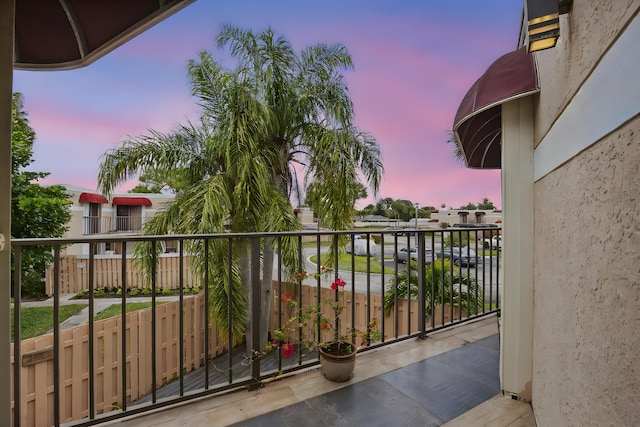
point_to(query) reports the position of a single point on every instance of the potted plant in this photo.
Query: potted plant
(337, 351)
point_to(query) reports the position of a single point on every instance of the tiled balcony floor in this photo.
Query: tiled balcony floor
(450, 378)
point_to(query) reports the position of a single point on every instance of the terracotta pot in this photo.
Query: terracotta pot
(335, 364)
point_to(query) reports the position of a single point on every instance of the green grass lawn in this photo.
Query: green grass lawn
(116, 309)
(344, 263)
(36, 321)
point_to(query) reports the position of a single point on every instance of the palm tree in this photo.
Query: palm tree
(458, 153)
(443, 285)
(275, 110)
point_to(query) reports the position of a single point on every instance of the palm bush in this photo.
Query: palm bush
(444, 284)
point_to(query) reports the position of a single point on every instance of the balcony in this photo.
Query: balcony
(85, 368)
(102, 225)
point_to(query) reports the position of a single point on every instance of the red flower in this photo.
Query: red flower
(287, 350)
(287, 297)
(338, 282)
(325, 326)
(300, 276)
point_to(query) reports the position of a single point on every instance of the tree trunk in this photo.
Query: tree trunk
(245, 271)
(267, 295)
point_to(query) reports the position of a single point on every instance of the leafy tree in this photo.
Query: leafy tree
(158, 181)
(486, 204)
(275, 113)
(425, 211)
(469, 207)
(146, 188)
(36, 211)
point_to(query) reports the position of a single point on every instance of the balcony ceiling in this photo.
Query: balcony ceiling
(66, 34)
(478, 122)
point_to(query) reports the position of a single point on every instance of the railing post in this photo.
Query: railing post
(422, 316)
(7, 12)
(255, 299)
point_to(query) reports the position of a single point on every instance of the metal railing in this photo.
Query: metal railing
(455, 292)
(96, 224)
(101, 225)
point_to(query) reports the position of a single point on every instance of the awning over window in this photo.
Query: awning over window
(131, 201)
(93, 198)
(478, 123)
(54, 34)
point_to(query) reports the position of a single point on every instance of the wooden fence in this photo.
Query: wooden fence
(37, 394)
(74, 273)
(37, 361)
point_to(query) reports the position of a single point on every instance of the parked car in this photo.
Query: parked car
(405, 254)
(494, 243)
(459, 256)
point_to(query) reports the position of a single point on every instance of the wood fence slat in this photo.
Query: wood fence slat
(37, 379)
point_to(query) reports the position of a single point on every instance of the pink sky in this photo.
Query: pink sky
(414, 61)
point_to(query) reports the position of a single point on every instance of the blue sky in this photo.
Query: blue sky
(414, 61)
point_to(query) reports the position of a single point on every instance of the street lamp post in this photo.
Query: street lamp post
(416, 205)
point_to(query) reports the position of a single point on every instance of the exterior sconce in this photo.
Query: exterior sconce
(544, 24)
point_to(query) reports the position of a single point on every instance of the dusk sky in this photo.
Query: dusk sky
(414, 60)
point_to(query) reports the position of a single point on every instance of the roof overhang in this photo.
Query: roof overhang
(93, 198)
(131, 201)
(478, 123)
(66, 34)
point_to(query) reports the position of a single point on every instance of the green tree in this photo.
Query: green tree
(486, 204)
(469, 207)
(274, 113)
(36, 210)
(158, 181)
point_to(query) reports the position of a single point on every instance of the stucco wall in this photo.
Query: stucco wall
(586, 364)
(586, 33)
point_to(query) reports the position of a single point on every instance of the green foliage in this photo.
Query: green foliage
(35, 321)
(116, 309)
(444, 284)
(486, 204)
(344, 263)
(36, 211)
(469, 207)
(457, 239)
(271, 114)
(403, 210)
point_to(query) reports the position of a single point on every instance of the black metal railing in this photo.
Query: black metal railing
(455, 291)
(101, 225)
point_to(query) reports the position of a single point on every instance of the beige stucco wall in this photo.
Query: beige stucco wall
(586, 33)
(586, 365)
(586, 334)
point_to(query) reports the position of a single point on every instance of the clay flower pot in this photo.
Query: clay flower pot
(337, 360)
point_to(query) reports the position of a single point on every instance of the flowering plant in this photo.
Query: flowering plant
(329, 327)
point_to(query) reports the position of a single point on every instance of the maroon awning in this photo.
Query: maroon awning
(93, 198)
(131, 201)
(54, 34)
(478, 123)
